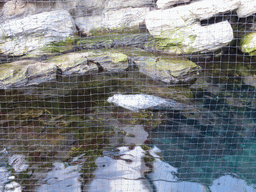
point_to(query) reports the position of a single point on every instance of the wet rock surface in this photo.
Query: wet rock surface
(58, 130)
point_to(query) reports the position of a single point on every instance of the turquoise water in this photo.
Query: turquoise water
(218, 140)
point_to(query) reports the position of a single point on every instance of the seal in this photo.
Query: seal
(137, 102)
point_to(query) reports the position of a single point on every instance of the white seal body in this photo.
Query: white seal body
(142, 101)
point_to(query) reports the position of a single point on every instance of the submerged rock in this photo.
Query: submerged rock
(62, 178)
(13, 187)
(164, 177)
(18, 163)
(139, 102)
(169, 70)
(248, 44)
(162, 4)
(228, 183)
(122, 173)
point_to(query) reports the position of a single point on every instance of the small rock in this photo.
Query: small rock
(228, 183)
(250, 80)
(13, 187)
(124, 173)
(4, 177)
(18, 163)
(248, 43)
(62, 178)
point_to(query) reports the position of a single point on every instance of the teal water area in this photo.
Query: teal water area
(218, 140)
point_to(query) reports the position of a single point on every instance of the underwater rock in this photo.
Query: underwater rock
(12, 9)
(185, 39)
(123, 173)
(164, 177)
(139, 102)
(4, 174)
(119, 4)
(62, 178)
(13, 187)
(247, 8)
(162, 4)
(18, 163)
(228, 183)
(248, 44)
(169, 70)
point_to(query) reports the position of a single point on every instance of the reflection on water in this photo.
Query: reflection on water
(59, 122)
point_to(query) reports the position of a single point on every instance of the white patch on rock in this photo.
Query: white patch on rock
(20, 36)
(119, 4)
(122, 174)
(13, 187)
(162, 4)
(4, 177)
(181, 16)
(228, 183)
(164, 177)
(209, 38)
(247, 8)
(86, 24)
(62, 178)
(18, 163)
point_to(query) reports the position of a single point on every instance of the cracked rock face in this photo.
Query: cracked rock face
(22, 36)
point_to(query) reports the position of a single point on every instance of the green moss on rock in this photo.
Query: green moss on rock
(248, 44)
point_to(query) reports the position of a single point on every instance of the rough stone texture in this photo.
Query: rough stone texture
(208, 8)
(4, 174)
(18, 163)
(193, 38)
(113, 20)
(247, 8)
(162, 4)
(62, 178)
(14, 8)
(181, 16)
(21, 8)
(228, 183)
(248, 44)
(123, 173)
(250, 80)
(168, 70)
(89, 8)
(118, 4)
(164, 177)
(20, 36)
(127, 17)
(28, 72)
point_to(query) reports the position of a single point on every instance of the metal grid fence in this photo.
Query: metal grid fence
(127, 96)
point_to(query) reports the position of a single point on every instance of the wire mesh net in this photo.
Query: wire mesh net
(145, 95)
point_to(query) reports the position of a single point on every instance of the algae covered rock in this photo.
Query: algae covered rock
(248, 43)
(192, 38)
(168, 69)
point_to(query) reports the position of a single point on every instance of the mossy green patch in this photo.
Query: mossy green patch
(61, 46)
(248, 44)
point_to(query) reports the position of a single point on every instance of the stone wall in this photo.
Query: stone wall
(176, 25)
